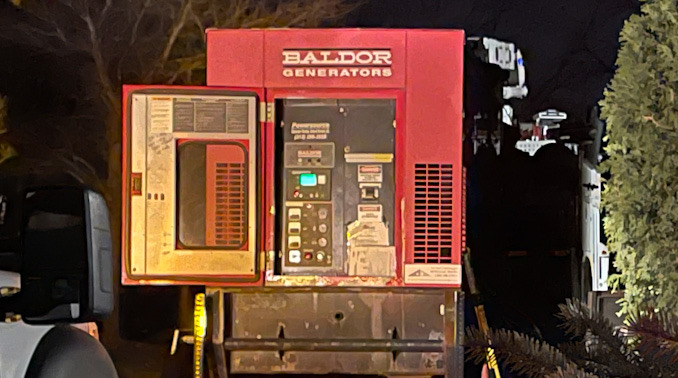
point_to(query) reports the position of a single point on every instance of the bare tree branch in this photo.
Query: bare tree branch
(200, 25)
(174, 33)
(214, 12)
(59, 32)
(135, 27)
(108, 91)
(102, 17)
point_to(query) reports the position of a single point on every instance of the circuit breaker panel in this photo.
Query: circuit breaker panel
(336, 187)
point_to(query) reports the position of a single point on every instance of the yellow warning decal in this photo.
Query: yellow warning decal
(199, 331)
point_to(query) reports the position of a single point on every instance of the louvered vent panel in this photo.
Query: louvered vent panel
(463, 213)
(433, 213)
(227, 200)
(230, 207)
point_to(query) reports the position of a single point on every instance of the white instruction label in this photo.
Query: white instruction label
(371, 261)
(367, 234)
(370, 173)
(161, 115)
(435, 274)
(370, 213)
(310, 131)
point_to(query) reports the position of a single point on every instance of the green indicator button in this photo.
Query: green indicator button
(308, 179)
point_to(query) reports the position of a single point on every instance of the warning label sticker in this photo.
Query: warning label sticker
(310, 131)
(370, 173)
(442, 274)
(370, 213)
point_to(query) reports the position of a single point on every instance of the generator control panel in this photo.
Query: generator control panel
(336, 186)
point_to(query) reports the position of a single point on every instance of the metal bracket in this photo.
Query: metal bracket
(337, 345)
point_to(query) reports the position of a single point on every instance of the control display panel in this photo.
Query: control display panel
(336, 187)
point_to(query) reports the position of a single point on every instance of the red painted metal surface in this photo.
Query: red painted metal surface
(235, 58)
(422, 69)
(434, 119)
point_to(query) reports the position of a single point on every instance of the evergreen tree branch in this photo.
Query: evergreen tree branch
(578, 319)
(579, 353)
(657, 340)
(570, 372)
(611, 349)
(522, 354)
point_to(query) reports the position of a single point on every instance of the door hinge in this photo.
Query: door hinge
(266, 111)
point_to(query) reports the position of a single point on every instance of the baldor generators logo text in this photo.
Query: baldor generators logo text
(337, 63)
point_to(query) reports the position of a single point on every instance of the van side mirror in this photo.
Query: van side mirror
(66, 262)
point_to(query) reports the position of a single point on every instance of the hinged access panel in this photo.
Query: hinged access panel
(191, 186)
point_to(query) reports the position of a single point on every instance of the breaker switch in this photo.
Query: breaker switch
(294, 242)
(294, 228)
(295, 214)
(370, 193)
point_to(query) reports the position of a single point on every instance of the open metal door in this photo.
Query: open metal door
(190, 186)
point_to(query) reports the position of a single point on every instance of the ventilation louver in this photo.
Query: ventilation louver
(433, 214)
(463, 212)
(227, 201)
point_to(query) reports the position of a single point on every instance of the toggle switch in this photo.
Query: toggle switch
(295, 214)
(370, 193)
(294, 242)
(294, 228)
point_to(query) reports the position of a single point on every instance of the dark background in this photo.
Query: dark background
(569, 49)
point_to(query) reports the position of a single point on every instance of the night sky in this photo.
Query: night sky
(569, 47)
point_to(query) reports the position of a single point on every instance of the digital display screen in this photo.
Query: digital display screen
(308, 179)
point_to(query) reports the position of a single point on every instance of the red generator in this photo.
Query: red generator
(315, 188)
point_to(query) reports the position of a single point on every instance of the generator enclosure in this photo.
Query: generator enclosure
(315, 157)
